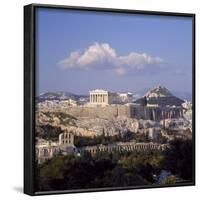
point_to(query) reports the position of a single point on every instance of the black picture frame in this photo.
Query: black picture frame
(29, 93)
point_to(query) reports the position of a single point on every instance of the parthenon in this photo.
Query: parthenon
(99, 97)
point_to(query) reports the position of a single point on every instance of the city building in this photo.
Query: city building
(154, 132)
(125, 97)
(48, 149)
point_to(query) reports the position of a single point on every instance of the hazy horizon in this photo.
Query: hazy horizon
(182, 95)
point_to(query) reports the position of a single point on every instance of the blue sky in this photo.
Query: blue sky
(80, 50)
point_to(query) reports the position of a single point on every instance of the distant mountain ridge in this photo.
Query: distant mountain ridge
(59, 96)
(161, 96)
(184, 95)
(158, 95)
(159, 91)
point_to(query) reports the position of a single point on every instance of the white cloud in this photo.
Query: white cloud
(103, 57)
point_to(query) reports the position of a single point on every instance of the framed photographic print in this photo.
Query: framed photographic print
(109, 99)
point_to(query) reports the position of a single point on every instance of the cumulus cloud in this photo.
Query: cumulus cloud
(104, 57)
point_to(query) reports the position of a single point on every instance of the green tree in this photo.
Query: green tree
(178, 158)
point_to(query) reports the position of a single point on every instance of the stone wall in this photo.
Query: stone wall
(124, 147)
(132, 111)
(155, 113)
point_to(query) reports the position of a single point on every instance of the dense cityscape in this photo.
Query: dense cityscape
(111, 139)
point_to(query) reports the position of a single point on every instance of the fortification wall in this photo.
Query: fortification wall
(155, 113)
(99, 112)
(132, 111)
